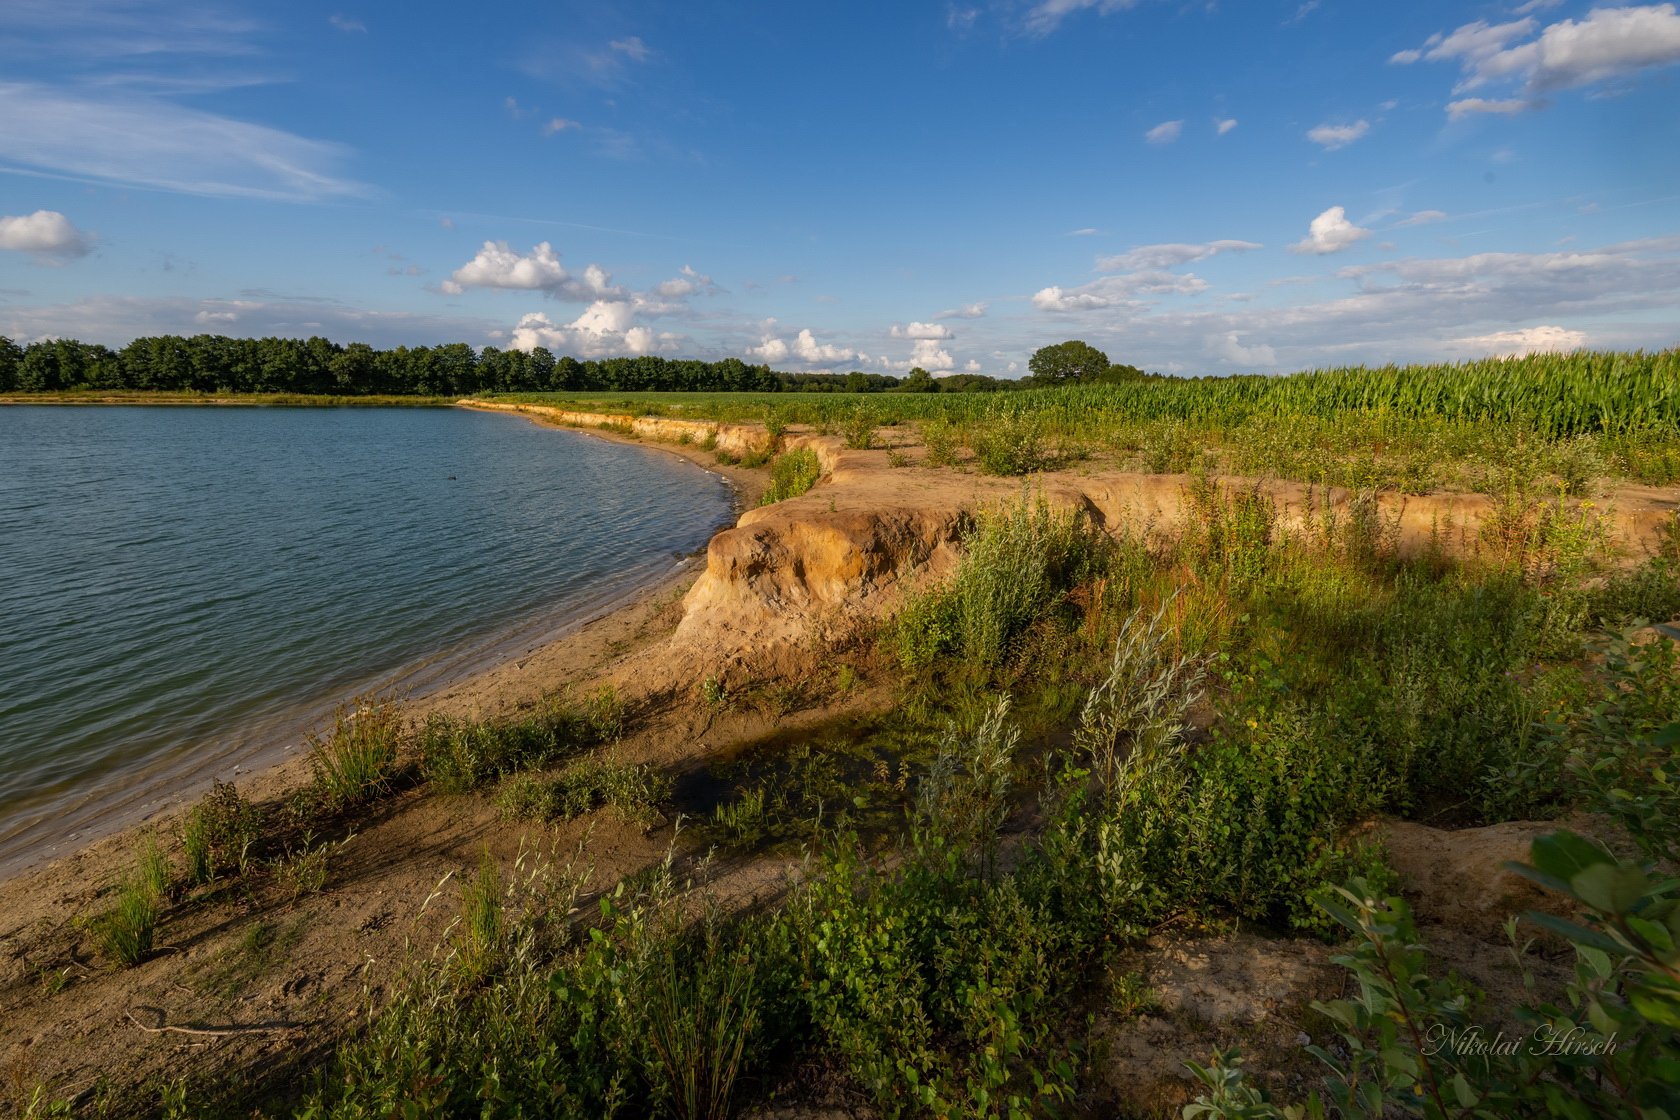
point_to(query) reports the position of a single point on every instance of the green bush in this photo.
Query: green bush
(1013, 445)
(221, 833)
(358, 758)
(1019, 561)
(461, 755)
(791, 475)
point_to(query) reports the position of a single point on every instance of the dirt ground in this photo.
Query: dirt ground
(253, 982)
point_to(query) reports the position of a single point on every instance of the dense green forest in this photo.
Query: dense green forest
(216, 364)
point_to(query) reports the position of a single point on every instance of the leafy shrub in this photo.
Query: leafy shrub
(1013, 445)
(857, 428)
(1018, 562)
(940, 439)
(791, 475)
(220, 833)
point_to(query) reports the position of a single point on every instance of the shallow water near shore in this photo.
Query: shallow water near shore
(183, 589)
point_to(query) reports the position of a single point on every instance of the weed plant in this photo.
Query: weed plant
(127, 930)
(358, 758)
(460, 755)
(791, 475)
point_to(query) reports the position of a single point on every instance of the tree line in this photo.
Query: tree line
(318, 366)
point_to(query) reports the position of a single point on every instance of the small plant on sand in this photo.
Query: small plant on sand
(357, 760)
(633, 791)
(713, 693)
(857, 428)
(1014, 445)
(482, 921)
(941, 439)
(305, 870)
(792, 474)
(127, 929)
(220, 834)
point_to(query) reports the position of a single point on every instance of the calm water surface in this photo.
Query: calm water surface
(182, 588)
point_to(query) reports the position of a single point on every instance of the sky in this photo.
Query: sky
(1195, 188)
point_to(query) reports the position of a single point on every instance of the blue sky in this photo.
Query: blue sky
(1251, 185)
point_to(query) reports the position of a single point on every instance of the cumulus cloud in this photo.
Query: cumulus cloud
(803, 347)
(46, 235)
(1226, 125)
(1611, 42)
(605, 329)
(147, 142)
(1515, 344)
(966, 311)
(559, 124)
(1165, 132)
(1228, 347)
(1171, 255)
(686, 283)
(631, 47)
(1330, 232)
(1334, 136)
(932, 357)
(920, 331)
(540, 270)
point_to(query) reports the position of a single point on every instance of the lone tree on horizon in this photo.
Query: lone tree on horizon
(1067, 363)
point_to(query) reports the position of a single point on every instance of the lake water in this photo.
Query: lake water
(181, 589)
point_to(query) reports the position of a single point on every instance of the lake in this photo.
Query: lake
(183, 588)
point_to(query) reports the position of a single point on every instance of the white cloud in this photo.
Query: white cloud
(802, 347)
(1145, 257)
(1334, 136)
(559, 124)
(932, 357)
(971, 366)
(1165, 132)
(46, 235)
(1611, 42)
(966, 311)
(605, 329)
(1117, 291)
(1514, 344)
(347, 24)
(632, 47)
(147, 142)
(920, 331)
(1228, 347)
(1470, 106)
(686, 283)
(1045, 16)
(1422, 218)
(1088, 231)
(1330, 232)
(1415, 309)
(1226, 125)
(540, 270)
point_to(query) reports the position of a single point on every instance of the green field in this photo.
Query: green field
(1554, 421)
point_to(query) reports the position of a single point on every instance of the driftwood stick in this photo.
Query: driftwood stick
(211, 1032)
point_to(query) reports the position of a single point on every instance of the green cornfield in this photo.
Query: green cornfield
(1551, 395)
